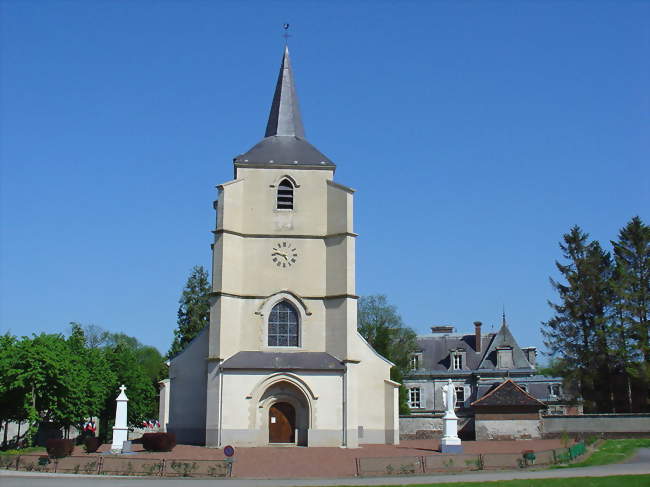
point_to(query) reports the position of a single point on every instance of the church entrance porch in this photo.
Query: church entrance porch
(287, 412)
(282, 423)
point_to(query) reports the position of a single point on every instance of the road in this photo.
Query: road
(639, 464)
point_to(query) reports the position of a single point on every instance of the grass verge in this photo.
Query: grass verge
(612, 451)
(618, 481)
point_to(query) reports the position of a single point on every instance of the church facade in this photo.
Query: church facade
(281, 361)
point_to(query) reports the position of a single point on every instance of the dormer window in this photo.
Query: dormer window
(458, 361)
(554, 390)
(504, 358)
(285, 195)
(416, 361)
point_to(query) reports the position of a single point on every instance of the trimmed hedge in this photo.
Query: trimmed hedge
(59, 448)
(92, 443)
(158, 441)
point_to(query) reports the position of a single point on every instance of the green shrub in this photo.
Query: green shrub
(158, 441)
(59, 448)
(92, 444)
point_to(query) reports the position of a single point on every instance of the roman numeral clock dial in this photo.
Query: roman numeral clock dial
(284, 255)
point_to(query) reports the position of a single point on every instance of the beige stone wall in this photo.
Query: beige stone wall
(320, 285)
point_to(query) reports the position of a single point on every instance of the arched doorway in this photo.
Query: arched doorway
(282, 423)
(286, 413)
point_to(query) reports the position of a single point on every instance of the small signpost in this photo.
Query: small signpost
(229, 451)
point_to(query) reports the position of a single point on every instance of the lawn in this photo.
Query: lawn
(618, 481)
(612, 451)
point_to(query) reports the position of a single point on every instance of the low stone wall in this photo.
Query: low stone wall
(117, 465)
(410, 465)
(606, 425)
(420, 427)
(507, 429)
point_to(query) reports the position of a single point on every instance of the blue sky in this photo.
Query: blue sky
(475, 134)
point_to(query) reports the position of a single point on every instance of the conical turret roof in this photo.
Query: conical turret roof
(284, 142)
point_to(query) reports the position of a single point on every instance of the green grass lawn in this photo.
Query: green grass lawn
(618, 481)
(612, 451)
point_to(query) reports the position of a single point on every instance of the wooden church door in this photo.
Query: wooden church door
(282, 423)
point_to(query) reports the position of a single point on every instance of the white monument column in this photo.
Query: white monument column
(120, 431)
(450, 442)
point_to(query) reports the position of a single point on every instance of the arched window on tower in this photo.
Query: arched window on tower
(283, 326)
(285, 195)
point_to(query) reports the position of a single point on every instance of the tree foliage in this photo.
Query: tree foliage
(382, 327)
(194, 310)
(65, 381)
(599, 330)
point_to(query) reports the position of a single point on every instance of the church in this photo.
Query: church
(281, 362)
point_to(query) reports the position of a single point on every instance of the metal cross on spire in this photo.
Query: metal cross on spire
(286, 34)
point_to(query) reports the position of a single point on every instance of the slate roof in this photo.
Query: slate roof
(504, 338)
(284, 140)
(435, 350)
(508, 394)
(283, 361)
(436, 358)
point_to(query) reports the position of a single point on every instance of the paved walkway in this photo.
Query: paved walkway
(314, 462)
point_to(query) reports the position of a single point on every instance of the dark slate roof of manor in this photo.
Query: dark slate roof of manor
(284, 141)
(436, 347)
(508, 394)
(283, 361)
(435, 350)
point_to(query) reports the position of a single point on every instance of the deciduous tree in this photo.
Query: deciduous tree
(382, 327)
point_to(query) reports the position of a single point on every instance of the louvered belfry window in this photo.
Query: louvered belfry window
(283, 326)
(285, 195)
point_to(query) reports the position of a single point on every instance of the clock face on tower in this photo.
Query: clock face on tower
(284, 254)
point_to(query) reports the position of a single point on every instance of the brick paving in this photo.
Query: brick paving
(296, 462)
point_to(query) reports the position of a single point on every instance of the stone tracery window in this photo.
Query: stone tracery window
(283, 326)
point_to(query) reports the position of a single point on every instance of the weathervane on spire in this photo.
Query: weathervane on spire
(286, 34)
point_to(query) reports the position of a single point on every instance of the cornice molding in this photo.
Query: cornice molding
(268, 235)
(217, 294)
(273, 165)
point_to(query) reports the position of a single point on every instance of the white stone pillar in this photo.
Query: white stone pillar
(120, 430)
(163, 404)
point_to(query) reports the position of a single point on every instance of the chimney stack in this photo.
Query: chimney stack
(442, 329)
(531, 355)
(477, 336)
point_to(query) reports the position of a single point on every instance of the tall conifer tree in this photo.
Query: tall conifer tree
(579, 331)
(631, 285)
(194, 310)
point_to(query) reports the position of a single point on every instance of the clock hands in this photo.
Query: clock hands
(283, 254)
(285, 251)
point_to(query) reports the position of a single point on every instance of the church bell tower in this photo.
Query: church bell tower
(283, 362)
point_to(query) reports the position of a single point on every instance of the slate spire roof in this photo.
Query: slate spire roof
(284, 142)
(285, 118)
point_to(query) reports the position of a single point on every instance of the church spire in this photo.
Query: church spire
(285, 118)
